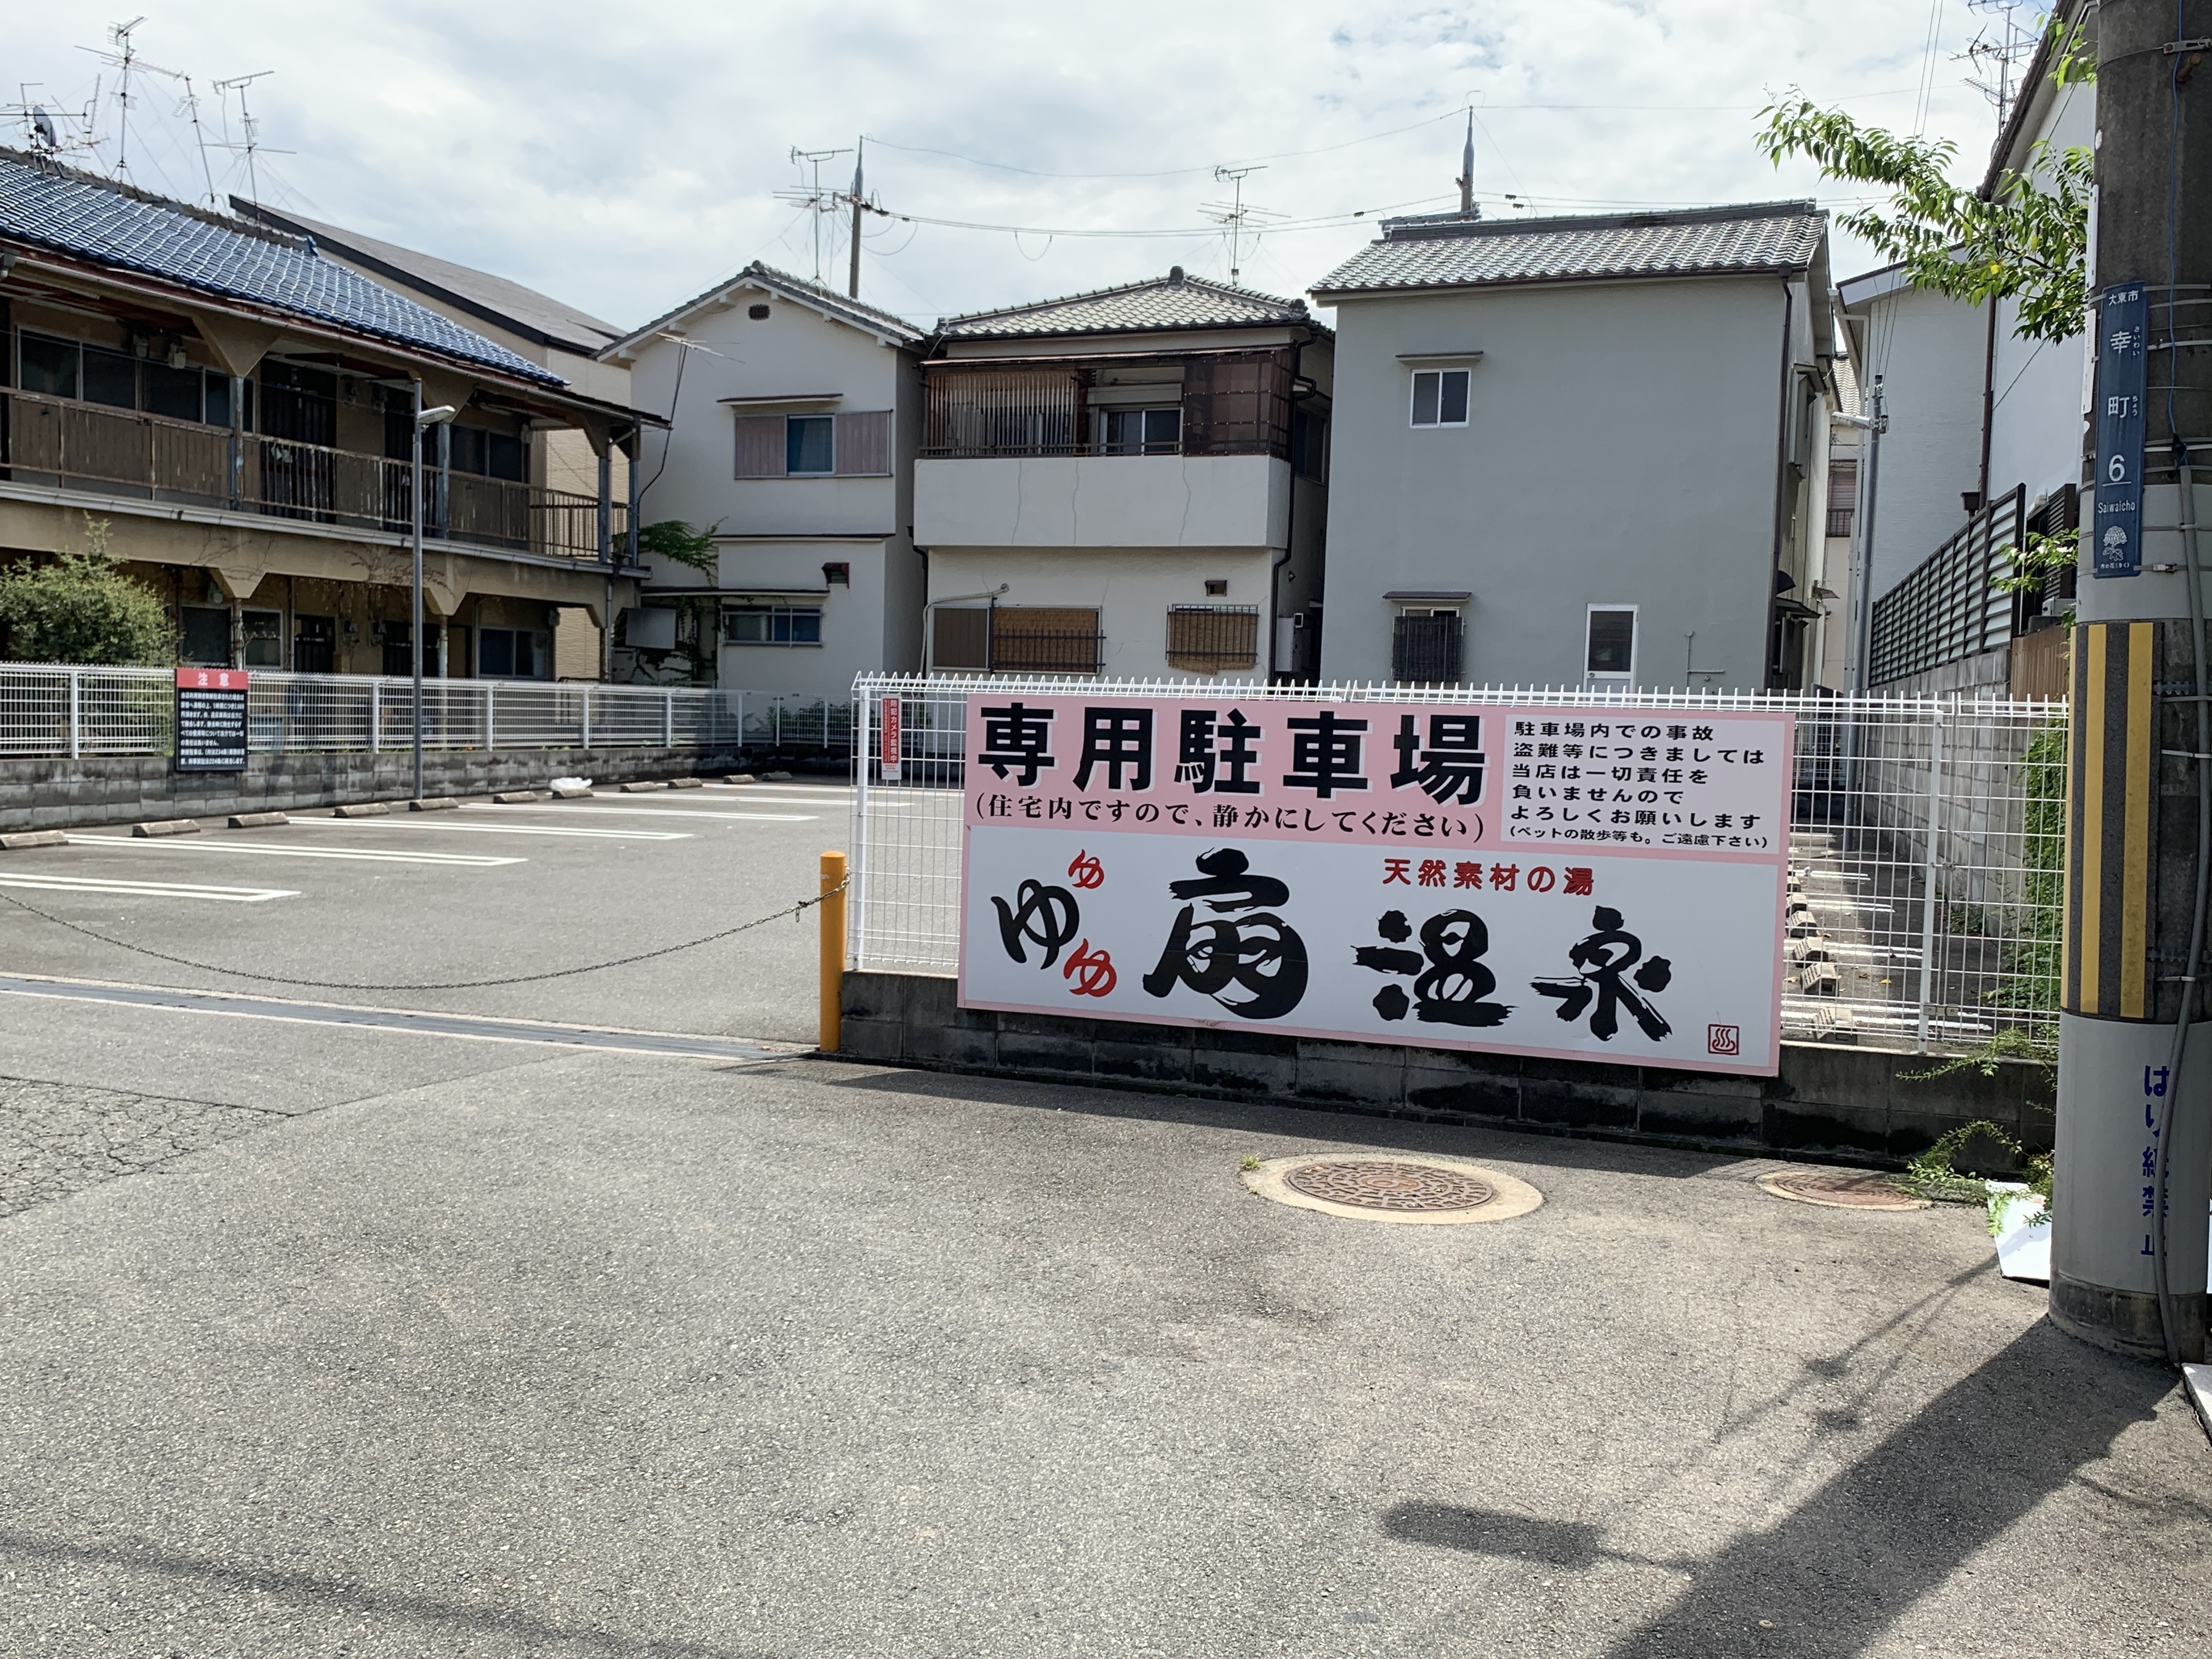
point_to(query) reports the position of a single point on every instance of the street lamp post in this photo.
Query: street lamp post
(424, 419)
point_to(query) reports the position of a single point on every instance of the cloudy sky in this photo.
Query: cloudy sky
(623, 158)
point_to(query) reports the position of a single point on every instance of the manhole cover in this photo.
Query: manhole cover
(1387, 1187)
(1401, 1187)
(1842, 1189)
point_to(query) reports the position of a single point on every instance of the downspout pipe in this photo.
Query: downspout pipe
(1290, 529)
(1783, 397)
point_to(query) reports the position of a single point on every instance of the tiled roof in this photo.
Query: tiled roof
(44, 206)
(1165, 302)
(1444, 251)
(871, 318)
(494, 298)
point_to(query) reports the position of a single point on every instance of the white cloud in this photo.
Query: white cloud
(623, 159)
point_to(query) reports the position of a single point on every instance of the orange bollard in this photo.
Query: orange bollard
(833, 951)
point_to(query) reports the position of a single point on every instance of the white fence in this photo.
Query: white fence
(1927, 841)
(48, 710)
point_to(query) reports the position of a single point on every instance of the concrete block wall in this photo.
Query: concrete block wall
(1859, 1103)
(59, 793)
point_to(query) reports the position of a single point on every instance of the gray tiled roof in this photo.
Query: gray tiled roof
(494, 298)
(872, 318)
(1165, 302)
(1443, 251)
(43, 206)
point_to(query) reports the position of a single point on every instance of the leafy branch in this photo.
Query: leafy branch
(675, 540)
(2025, 240)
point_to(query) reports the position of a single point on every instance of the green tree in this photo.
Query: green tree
(672, 538)
(81, 608)
(2028, 239)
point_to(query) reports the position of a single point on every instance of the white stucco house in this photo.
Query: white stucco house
(1126, 482)
(794, 412)
(1585, 450)
(1984, 436)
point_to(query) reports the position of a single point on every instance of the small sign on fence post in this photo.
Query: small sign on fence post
(888, 710)
(1600, 882)
(212, 720)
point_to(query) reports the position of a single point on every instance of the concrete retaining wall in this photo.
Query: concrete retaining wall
(1861, 1103)
(59, 793)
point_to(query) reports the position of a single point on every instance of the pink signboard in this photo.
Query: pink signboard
(1594, 882)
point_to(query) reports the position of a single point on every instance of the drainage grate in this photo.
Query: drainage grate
(1844, 1189)
(1371, 1184)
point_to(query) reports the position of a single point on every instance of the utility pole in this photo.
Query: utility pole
(1467, 172)
(860, 199)
(2134, 1055)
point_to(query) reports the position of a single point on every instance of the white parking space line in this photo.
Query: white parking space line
(490, 828)
(278, 849)
(649, 812)
(146, 889)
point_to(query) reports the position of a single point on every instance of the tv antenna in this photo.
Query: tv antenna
(50, 131)
(252, 147)
(813, 197)
(1234, 215)
(124, 56)
(1996, 53)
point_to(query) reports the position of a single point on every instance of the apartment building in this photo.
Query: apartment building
(233, 409)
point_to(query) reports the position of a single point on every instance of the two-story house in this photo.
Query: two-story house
(1585, 450)
(234, 410)
(1129, 482)
(794, 415)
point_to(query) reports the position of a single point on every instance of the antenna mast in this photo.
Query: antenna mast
(1233, 215)
(813, 197)
(245, 119)
(118, 35)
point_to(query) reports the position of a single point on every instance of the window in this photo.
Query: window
(264, 639)
(1143, 431)
(1043, 639)
(1213, 639)
(1611, 655)
(49, 366)
(110, 378)
(809, 445)
(206, 631)
(518, 653)
(1308, 445)
(960, 637)
(772, 625)
(486, 454)
(1440, 397)
(175, 392)
(1425, 647)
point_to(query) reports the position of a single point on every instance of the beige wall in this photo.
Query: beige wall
(1103, 500)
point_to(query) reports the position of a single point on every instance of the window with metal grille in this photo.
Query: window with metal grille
(1425, 649)
(1213, 639)
(1843, 497)
(1043, 639)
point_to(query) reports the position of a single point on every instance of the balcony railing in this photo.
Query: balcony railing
(61, 443)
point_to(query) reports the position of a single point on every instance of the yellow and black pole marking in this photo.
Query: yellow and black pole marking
(2111, 811)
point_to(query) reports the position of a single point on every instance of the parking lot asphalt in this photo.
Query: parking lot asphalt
(419, 899)
(484, 1348)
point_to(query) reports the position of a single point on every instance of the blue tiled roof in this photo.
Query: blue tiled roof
(91, 221)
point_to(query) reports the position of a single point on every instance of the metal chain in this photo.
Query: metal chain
(794, 912)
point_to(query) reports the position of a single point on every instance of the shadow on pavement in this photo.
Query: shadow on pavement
(357, 1599)
(1851, 1559)
(1300, 1120)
